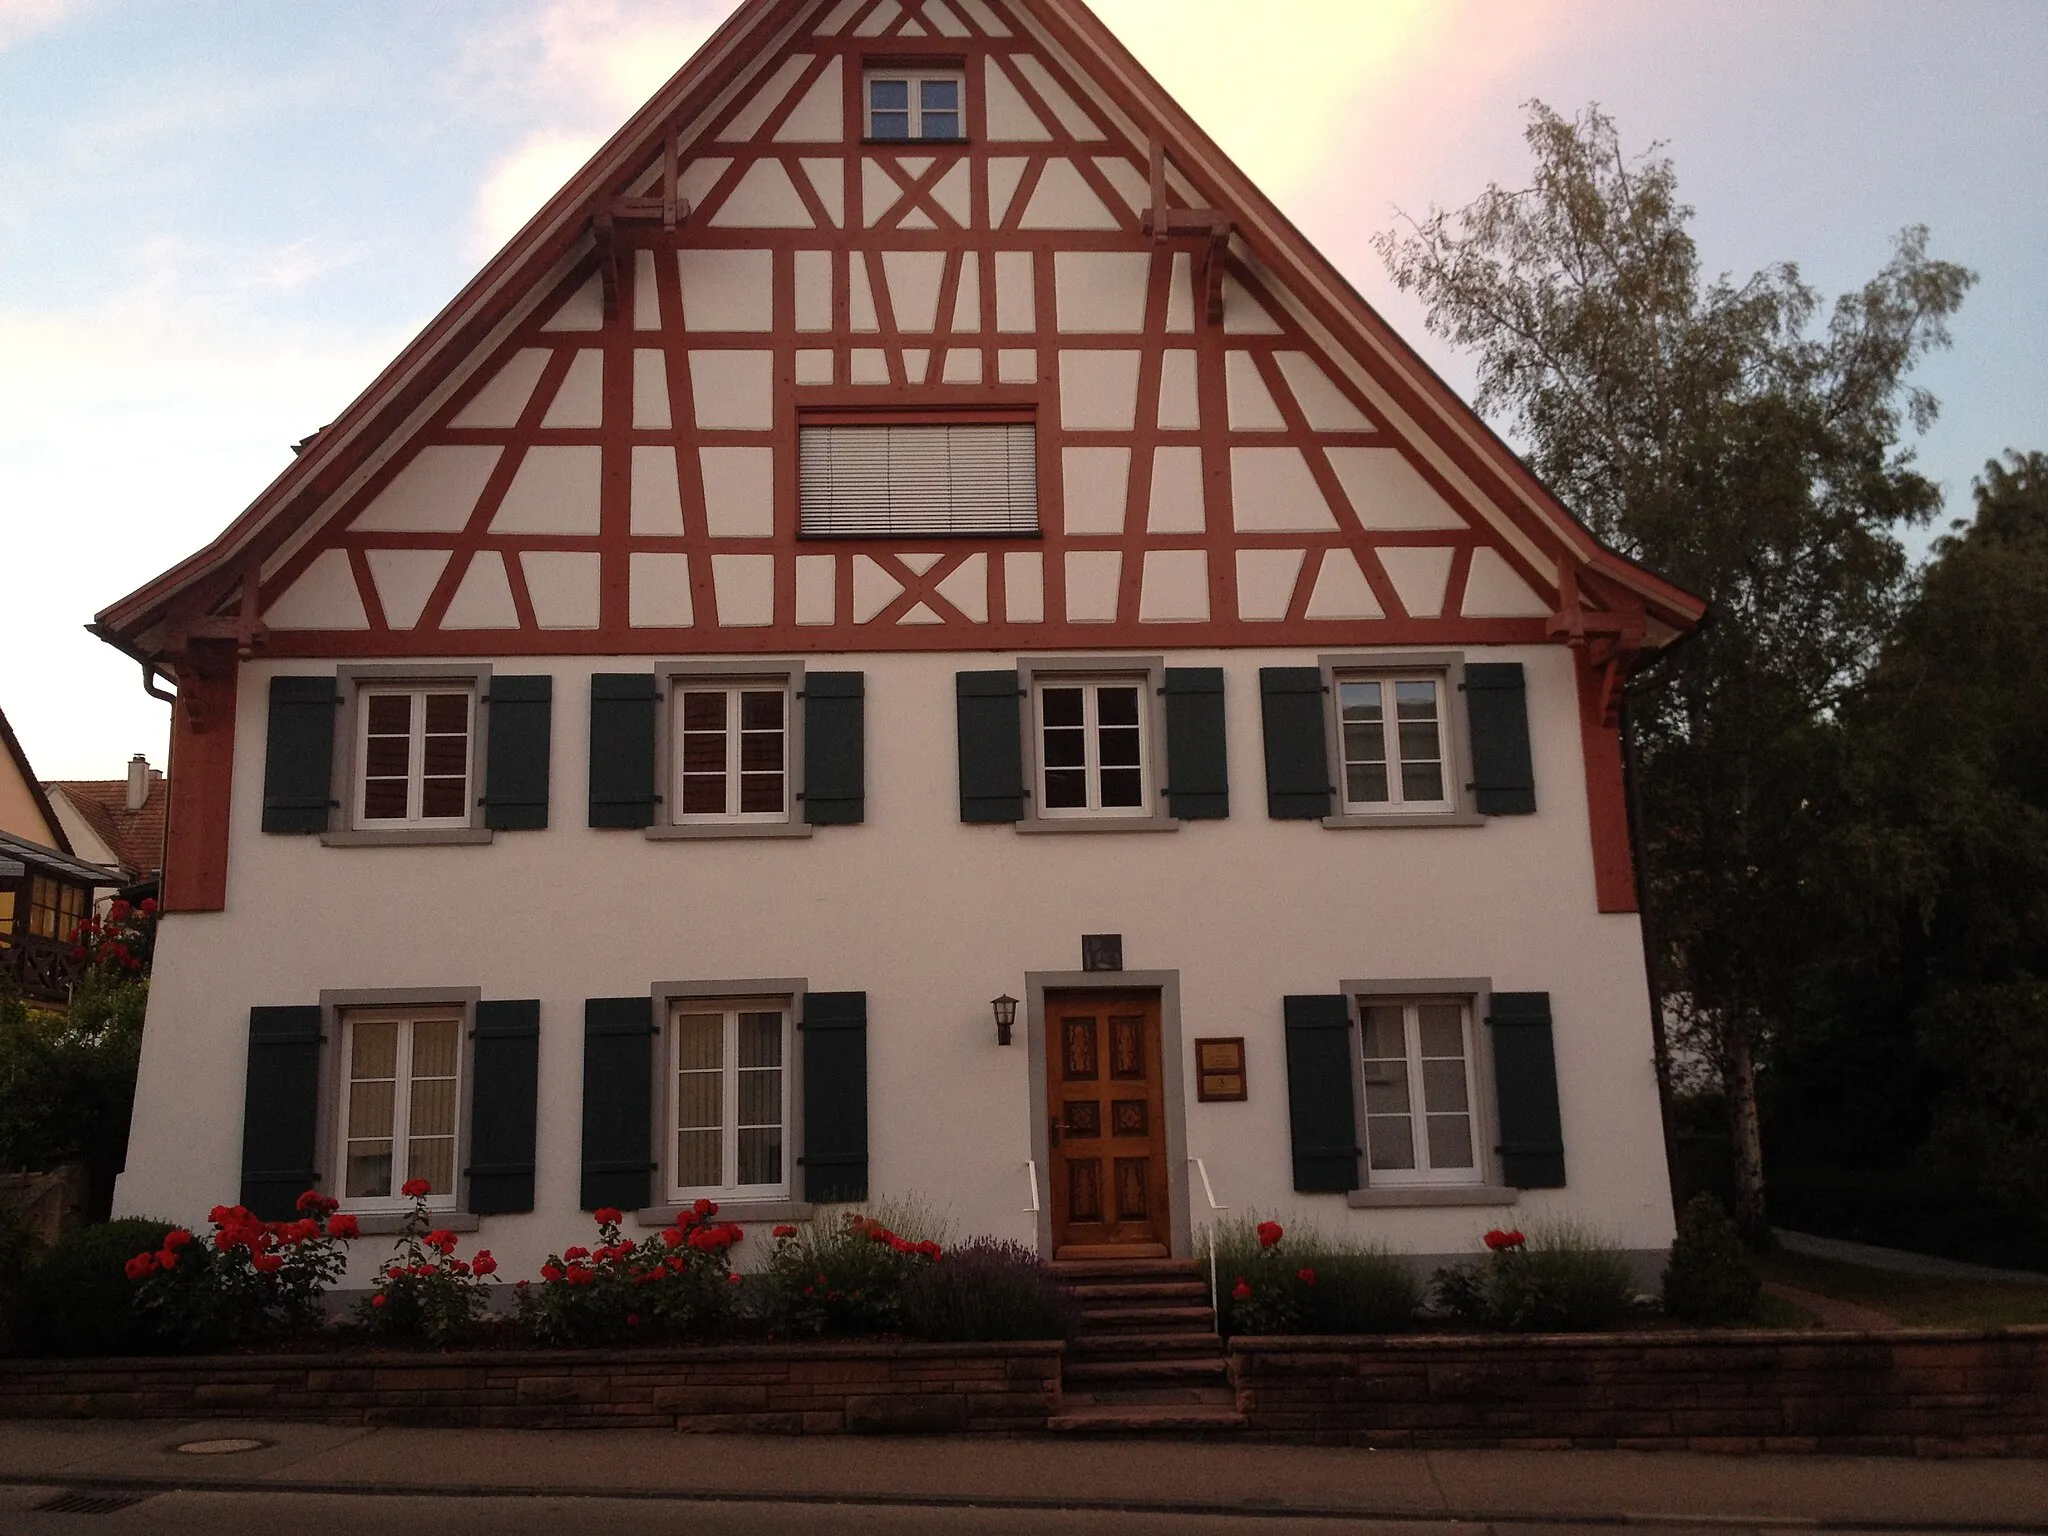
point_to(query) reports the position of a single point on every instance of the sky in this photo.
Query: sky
(219, 220)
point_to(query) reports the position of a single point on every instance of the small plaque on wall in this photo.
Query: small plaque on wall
(1219, 1070)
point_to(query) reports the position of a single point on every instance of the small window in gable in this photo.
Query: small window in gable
(916, 104)
(414, 755)
(922, 480)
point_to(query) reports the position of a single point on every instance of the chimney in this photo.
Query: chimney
(138, 782)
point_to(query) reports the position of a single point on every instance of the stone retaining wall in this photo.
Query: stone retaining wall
(865, 1388)
(1921, 1392)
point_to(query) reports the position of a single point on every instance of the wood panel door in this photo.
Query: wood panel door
(1106, 1133)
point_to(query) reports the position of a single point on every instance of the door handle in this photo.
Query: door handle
(1052, 1129)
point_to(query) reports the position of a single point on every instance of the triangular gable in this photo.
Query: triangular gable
(1233, 449)
(24, 809)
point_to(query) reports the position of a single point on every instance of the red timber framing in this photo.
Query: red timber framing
(594, 448)
(201, 774)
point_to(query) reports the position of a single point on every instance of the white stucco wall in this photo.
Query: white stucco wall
(931, 918)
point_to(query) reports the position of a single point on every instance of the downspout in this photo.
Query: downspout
(1632, 795)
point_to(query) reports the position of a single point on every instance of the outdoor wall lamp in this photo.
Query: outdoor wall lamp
(1006, 1015)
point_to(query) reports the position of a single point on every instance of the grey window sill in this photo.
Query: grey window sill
(710, 830)
(730, 1210)
(401, 837)
(1431, 1194)
(1397, 819)
(390, 1223)
(1098, 824)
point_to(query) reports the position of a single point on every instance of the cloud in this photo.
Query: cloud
(517, 185)
(21, 20)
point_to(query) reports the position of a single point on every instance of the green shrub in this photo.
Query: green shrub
(250, 1281)
(847, 1276)
(1564, 1279)
(987, 1290)
(18, 1253)
(1303, 1282)
(1711, 1277)
(78, 1300)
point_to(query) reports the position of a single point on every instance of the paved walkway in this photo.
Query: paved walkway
(1032, 1479)
(1898, 1260)
(1832, 1313)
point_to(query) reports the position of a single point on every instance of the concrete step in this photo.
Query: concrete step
(1097, 1345)
(1142, 1419)
(1201, 1368)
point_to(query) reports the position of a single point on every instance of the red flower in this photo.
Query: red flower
(673, 1236)
(581, 1274)
(149, 906)
(575, 1253)
(1305, 1276)
(785, 1231)
(177, 1238)
(167, 1259)
(218, 1215)
(142, 1266)
(343, 1226)
(412, 1189)
(1269, 1233)
(1498, 1240)
(118, 912)
(310, 1200)
(443, 1240)
(551, 1272)
(1241, 1291)
(267, 1263)
(732, 1279)
(632, 1319)
(705, 1208)
(376, 1301)
(394, 1273)
(608, 1216)
(483, 1263)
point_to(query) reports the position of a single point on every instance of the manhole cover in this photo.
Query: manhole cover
(219, 1447)
(78, 1502)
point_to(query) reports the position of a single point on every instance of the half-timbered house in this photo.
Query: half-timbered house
(909, 525)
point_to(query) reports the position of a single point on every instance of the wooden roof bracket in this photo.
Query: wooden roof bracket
(1215, 230)
(1608, 641)
(671, 209)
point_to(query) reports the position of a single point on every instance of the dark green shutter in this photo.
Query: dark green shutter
(622, 716)
(1320, 1116)
(1197, 756)
(835, 1155)
(618, 1101)
(991, 746)
(504, 1096)
(1525, 1090)
(516, 771)
(835, 748)
(1297, 743)
(298, 755)
(281, 1110)
(1497, 710)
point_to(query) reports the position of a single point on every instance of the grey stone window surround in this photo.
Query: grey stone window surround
(665, 995)
(1457, 759)
(1051, 669)
(348, 733)
(1475, 992)
(739, 670)
(1173, 1087)
(334, 1003)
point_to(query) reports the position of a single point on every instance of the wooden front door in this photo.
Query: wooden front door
(1107, 1131)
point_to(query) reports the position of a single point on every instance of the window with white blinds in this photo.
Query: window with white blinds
(880, 481)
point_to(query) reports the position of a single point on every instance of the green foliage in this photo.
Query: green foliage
(249, 1282)
(67, 1080)
(1306, 1282)
(19, 1251)
(848, 1276)
(1736, 440)
(987, 1290)
(677, 1284)
(1563, 1278)
(78, 1300)
(1711, 1277)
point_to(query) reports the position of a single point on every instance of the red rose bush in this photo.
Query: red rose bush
(679, 1283)
(249, 1282)
(426, 1292)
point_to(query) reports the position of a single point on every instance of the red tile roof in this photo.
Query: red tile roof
(137, 837)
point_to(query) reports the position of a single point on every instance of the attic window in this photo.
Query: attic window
(869, 480)
(916, 104)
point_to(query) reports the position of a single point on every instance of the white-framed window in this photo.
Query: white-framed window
(1416, 1059)
(415, 755)
(866, 479)
(1094, 748)
(729, 1100)
(730, 750)
(1394, 744)
(916, 104)
(401, 1105)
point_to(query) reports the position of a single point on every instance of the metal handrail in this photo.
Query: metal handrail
(1209, 1193)
(1031, 1172)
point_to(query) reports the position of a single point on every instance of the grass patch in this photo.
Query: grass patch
(1918, 1301)
(1778, 1312)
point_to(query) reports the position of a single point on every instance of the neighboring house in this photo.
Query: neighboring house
(118, 822)
(908, 525)
(46, 888)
